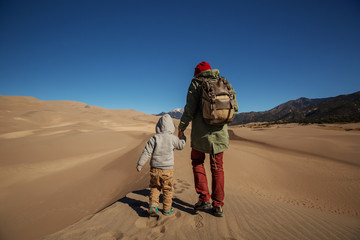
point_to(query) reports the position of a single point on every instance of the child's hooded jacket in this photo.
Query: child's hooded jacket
(161, 146)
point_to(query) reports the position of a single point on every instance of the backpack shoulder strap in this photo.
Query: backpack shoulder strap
(199, 79)
(228, 85)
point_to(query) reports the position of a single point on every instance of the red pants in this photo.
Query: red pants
(217, 172)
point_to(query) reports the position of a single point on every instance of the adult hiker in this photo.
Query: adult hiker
(206, 139)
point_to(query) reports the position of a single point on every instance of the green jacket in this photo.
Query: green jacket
(204, 137)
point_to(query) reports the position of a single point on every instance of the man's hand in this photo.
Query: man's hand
(180, 134)
(139, 170)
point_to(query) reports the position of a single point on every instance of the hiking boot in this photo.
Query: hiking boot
(168, 212)
(153, 211)
(200, 205)
(217, 211)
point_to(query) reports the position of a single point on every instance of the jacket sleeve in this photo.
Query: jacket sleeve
(179, 144)
(146, 154)
(190, 108)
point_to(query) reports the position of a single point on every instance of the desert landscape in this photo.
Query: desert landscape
(67, 171)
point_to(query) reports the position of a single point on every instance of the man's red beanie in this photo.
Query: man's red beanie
(201, 67)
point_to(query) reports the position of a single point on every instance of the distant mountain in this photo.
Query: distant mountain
(343, 108)
(176, 113)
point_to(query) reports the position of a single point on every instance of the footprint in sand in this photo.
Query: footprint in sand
(157, 225)
(112, 235)
(198, 221)
(141, 223)
(153, 222)
(118, 235)
(179, 191)
(158, 229)
(180, 186)
(147, 222)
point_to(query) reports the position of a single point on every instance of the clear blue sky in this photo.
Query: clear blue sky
(141, 54)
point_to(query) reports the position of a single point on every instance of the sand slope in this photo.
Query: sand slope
(267, 197)
(71, 166)
(63, 160)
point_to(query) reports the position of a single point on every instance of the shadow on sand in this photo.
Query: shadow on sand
(141, 207)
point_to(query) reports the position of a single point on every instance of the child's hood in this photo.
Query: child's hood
(165, 125)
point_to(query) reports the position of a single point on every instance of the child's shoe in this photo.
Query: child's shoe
(153, 211)
(168, 212)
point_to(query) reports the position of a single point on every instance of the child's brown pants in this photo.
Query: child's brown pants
(161, 179)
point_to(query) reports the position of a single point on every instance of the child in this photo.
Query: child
(160, 148)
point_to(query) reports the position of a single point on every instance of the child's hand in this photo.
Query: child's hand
(139, 170)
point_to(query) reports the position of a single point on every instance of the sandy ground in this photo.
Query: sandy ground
(67, 171)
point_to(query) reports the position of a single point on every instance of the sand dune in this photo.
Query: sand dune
(67, 171)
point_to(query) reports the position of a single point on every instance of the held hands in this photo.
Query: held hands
(180, 134)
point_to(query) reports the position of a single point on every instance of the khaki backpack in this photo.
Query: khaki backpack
(217, 101)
